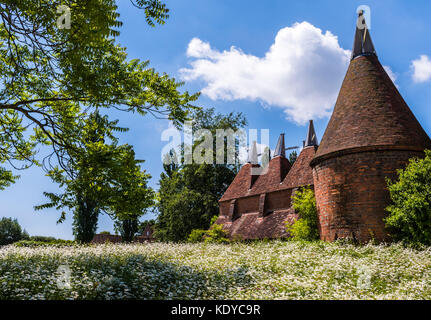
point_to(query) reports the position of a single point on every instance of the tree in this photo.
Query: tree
(306, 227)
(53, 77)
(131, 227)
(127, 228)
(100, 176)
(11, 231)
(409, 218)
(189, 193)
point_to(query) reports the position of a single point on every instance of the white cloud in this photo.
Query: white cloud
(421, 69)
(301, 72)
(391, 75)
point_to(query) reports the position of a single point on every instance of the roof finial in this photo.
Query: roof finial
(252, 154)
(280, 149)
(311, 136)
(363, 45)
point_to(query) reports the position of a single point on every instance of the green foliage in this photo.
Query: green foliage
(189, 193)
(292, 157)
(197, 235)
(182, 211)
(305, 228)
(215, 234)
(105, 232)
(11, 231)
(301, 230)
(42, 239)
(127, 228)
(52, 79)
(99, 176)
(6, 177)
(85, 217)
(155, 10)
(52, 243)
(409, 217)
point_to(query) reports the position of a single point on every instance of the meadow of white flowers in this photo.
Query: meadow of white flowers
(262, 270)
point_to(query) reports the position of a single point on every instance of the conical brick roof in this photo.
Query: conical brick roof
(370, 114)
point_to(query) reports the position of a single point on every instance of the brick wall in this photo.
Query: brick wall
(247, 205)
(278, 200)
(351, 193)
(102, 238)
(258, 217)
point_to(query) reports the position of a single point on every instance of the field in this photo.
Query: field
(261, 270)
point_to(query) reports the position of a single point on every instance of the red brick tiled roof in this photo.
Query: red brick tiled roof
(240, 185)
(280, 176)
(301, 173)
(278, 168)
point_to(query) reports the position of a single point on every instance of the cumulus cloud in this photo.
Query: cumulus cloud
(301, 72)
(421, 69)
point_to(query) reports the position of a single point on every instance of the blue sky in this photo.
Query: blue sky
(261, 76)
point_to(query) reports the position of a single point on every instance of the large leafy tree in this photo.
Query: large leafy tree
(99, 176)
(189, 193)
(53, 78)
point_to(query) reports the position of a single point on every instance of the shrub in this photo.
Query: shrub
(409, 217)
(105, 232)
(11, 231)
(197, 235)
(53, 243)
(42, 238)
(237, 238)
(305, 228)
(215, 234)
